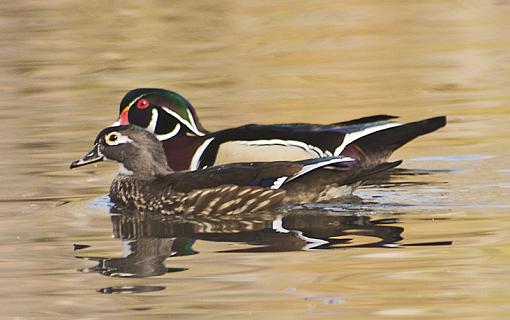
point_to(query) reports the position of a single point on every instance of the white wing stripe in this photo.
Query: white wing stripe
(315, 151)
(350, 137)
(311, 167)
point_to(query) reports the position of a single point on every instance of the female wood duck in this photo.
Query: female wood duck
(146, 182)
(188, 146)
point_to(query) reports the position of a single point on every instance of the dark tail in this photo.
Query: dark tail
(378, 146)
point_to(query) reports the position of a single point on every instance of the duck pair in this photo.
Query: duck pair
(158, 131)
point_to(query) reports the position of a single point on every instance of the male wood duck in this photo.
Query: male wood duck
(146, 182)
(188, 146)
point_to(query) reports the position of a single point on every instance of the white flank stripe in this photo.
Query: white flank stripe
(166, 136)
(350, 137)
(313, 150)
(191, 126)
(198, 154)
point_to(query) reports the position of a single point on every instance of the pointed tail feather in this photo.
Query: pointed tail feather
(378, 146)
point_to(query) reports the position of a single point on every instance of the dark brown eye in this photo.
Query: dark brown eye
(142, 104)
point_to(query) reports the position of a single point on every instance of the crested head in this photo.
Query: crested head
(162, 112)
(138, 151)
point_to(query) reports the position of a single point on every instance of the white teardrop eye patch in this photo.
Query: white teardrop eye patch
(115, 138)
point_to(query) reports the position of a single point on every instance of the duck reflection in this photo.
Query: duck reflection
(140, 258)
(148, 240)
(290, 232)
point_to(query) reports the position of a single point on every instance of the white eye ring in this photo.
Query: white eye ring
(112, 138)
(115, 138)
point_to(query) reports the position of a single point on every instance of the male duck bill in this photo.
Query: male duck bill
(146, 182)
(188, 146)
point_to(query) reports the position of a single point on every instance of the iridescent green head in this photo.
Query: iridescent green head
(162, 112)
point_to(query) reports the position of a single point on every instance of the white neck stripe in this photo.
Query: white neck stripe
(193, 124)
(154, 121)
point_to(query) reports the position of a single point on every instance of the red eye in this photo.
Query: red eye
(142, 104)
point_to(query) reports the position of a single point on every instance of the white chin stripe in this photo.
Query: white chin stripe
(166, 136)
(123, 171)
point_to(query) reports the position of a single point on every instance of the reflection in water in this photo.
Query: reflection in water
(141, 258)
(148, 240)
(269, 232)
(387, 181)
(130, 289)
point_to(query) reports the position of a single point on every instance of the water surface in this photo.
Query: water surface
(429, 242)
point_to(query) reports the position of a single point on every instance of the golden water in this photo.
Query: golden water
(65, 65)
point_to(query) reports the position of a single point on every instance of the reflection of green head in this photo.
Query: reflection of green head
(167, 101)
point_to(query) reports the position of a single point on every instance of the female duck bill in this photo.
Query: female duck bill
(92, 156)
